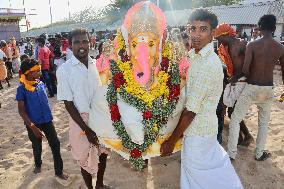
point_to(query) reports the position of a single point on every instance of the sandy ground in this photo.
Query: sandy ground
(16, 158)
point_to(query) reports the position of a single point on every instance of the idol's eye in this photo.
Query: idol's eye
(151, 43)
(134, 44)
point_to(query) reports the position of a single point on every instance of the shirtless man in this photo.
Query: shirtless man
(232, 53)
(258, 68)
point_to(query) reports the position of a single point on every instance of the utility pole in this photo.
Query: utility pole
(69, 10)
(28, 13)
(50, 12)
(25, 15)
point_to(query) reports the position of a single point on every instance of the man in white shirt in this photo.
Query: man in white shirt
(69, 53)
(204, 163)
(77, 81)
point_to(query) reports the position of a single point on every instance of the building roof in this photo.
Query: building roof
(253, 1)
(6, 13)
(239, 14)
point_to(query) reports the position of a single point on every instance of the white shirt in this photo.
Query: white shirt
(204, 87)
(77, 83)
(252, 39)
(2, 55)
(69, 54)
(22, 49)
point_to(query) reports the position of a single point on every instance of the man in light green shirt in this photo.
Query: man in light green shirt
(204, 163)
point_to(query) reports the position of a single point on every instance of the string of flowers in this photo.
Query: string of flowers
(156, 106)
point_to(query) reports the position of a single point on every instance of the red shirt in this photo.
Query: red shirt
(43, 55)
(64, 44)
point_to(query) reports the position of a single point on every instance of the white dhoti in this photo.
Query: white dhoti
(206, 165)
(233, 92)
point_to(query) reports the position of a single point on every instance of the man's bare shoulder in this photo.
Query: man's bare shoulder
(250, 45)
(281, 46)
(277, 46)
(242, 44)
(282, 49)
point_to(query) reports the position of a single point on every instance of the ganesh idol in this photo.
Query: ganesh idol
(142, 94)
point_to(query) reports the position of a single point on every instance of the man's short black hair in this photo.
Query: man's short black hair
(24, 57)
(204, 15)
(3, 43)
(41, 40)
(28, 64)
(267, 23)
(78, 31)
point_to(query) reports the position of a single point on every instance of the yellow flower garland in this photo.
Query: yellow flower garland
(166, 51)
(120, 40)
(133, 88)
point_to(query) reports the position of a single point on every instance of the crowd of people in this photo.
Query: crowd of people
(230, 78)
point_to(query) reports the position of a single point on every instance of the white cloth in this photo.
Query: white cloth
(100, 120)
(204, 87)
(2, 55)
(262, 96)
(130, 117)
(58, 62)
(22, 50)
(252, 39)
(75, 83)
(232, 92)
(16, 64)
(69, 54)
(206, 165)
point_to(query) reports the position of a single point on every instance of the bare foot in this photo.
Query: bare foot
(64, 179)
(37, 170)
(63, 176)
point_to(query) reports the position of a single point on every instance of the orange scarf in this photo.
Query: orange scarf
(225, 57)
(29, 85)
(224, 29)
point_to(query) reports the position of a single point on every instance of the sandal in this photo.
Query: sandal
(264, 156)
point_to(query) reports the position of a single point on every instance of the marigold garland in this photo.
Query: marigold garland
(133, 88)
(156, 105)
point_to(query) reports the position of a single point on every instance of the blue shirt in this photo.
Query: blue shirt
(36, 103)
(36, 52)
